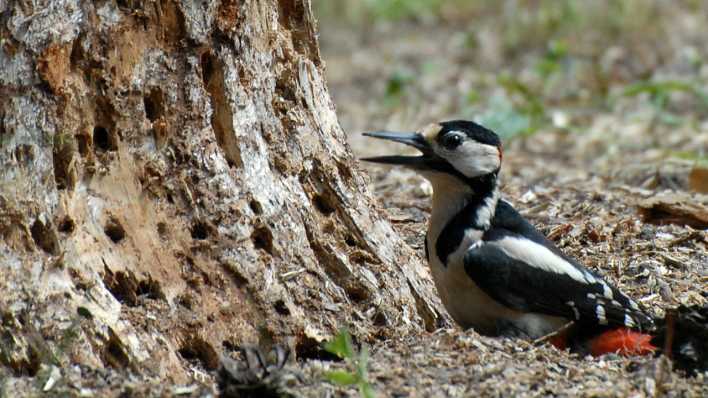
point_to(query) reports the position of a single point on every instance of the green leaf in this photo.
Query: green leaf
(341, 345)
(654, 88)
(366, 391)
(503, 118)
(397, 85)
(363, 363)
(473, 97)
(341, 377)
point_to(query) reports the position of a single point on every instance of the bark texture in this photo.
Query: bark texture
(174, 183)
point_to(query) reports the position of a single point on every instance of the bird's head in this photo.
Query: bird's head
(459, 148)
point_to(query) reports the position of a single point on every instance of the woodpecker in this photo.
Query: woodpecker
(494, 271)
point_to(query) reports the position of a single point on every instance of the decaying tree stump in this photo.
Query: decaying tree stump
(174, 183)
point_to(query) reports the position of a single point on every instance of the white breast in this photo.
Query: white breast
(468, 305)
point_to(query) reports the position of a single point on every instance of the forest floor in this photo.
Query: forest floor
(582, 164)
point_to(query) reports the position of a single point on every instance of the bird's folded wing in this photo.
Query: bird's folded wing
(527, 276)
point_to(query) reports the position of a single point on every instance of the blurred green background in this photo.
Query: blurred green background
(631, 73)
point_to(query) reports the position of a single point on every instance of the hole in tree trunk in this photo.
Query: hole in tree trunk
(207, 62)
(162, 230)
(201, 230)
(197, 350)
(255, 206)
(263, 239)
(102, 140)
(222, 118)
(67, 225)
(281, 308)
(323, 204)
(114, 230)
(114, 353)
(45, 237)
(153, 102)
(84, 142)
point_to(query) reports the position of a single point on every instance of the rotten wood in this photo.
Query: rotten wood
(177, 171)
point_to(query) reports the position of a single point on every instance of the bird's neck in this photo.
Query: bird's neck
(477, 199)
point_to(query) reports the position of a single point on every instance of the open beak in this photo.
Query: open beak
(415, 140)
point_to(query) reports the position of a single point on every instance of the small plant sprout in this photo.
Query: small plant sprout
(342, 347)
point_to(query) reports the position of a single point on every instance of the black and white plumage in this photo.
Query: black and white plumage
(494, 271)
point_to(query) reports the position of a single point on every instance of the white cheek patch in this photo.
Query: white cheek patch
(472, 158)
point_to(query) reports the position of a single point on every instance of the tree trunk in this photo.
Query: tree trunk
(174, 184)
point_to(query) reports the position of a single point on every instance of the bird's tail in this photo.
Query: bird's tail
(682, 336)
(622, 341)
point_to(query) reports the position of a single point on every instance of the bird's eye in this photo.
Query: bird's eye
(451, 141)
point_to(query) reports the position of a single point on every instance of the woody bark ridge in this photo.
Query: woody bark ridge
(175, 183)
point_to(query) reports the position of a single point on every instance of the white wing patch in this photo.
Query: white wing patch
(629, 321)
(600, 312)
(540, 257)
(606, 291)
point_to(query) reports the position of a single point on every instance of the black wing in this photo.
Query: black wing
(517, 266)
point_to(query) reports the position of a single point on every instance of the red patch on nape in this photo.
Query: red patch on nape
(501, 152)
(622, 341)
